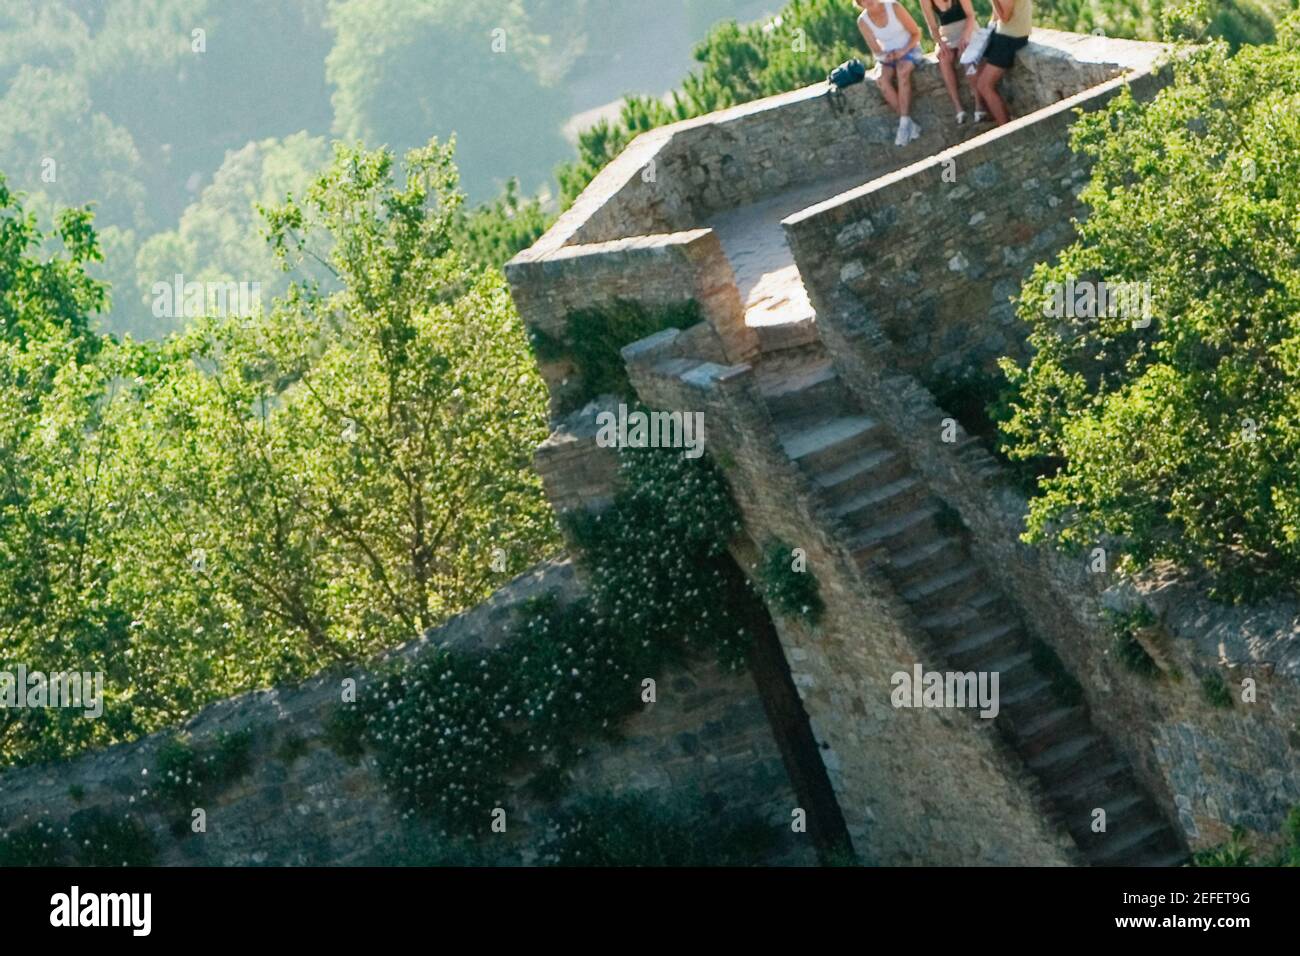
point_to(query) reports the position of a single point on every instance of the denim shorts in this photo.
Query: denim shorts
(914, 56)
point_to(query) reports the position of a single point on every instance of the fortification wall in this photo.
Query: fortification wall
(655, 272)
(639, 232)
(933, 255)
(912, 276)
(706, 737)
(915, 786)
(676, 177)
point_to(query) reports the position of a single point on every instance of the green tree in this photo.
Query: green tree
(55, 386)
(1182, 438)
(221, 237)
(452, 67)
(259, 497)
(349, 469)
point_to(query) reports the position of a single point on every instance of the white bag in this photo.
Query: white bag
(979, 42)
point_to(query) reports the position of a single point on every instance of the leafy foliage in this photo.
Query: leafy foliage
(1235, 21)
(450, 726)
(255, 499)
(185, 775)
(1128, 650)
(592, 340)
(489, 235)
(1215, 690)
(633, 830)
(220, 236)
(1182, 439)
(92, 837)
(792, 591)
(1236, 851)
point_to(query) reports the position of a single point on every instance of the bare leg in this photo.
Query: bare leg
(987, 85)
(886, 83)
(905, 69)
(973, 80)
(948, 70)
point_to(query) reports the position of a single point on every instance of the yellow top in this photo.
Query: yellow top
(1022, 19)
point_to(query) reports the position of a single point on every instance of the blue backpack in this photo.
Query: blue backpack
(847, 74)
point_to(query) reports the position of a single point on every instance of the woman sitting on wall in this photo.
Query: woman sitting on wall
(1014, 21)
(951, 23)
(895, 41)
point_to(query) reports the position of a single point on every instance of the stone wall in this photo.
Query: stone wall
(1211, 769)
(905, 291)
(633, 233)
(657, 271)
(912, 275)
(675, 177)
(745, 154)
(933, 254)
(706, 738)
(915, 786)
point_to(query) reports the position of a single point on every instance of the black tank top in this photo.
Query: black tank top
(953, 14)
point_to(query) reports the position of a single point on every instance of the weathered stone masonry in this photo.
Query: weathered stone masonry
(706, 737)
(835, 275)
(857, 272)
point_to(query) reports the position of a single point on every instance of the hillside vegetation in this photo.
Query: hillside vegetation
(1181, 437)
(259, 497)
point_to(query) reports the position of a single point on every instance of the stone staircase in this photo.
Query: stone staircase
(895, 528)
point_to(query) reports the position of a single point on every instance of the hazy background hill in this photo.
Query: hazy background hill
(176, 118)
(175, 135)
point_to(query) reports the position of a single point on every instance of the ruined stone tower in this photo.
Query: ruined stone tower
(828, 285)
(838, 277)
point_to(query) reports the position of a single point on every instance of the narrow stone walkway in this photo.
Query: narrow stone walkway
(776, 303)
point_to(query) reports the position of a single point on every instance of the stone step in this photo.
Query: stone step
(826, 444)
(1007, 666)
(872, 468)
(790, 361)
(805, 392)
(1118, 789)
(1118, 807)
(1046, 726)
(992, 639)
(916, 524)
(944, 584)
(1067, 729)
(981, 610)
(1123, 844)
(1126, 811)
(1026, 693)
(922, 554)
(1078, 786)
(1063, 756)
(780, 328)
(885, 498)
(914, 564)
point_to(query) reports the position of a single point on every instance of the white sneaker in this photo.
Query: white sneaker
(913, 131)
(904, 132)
(980, 116)
(961, 117)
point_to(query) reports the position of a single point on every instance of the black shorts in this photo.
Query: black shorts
(1001, 50)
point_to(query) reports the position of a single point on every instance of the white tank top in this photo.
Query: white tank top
(893, 35)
